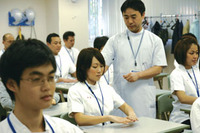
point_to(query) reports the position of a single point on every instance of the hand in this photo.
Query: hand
(132, 76)
(53, 101)
(118, 119)
(132, 117)
(68, 80)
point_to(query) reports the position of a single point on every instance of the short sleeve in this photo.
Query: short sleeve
(176, 82)
(72, 68)
(74, 101)
(159, 58)
(108, 51)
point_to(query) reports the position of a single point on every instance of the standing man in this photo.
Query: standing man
(8, 39)
(64, 66)
(137, 56)
(69, 50)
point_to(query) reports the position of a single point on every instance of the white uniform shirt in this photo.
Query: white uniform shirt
(58, 125)
(65, 67)
(73, 53)
(108, 76)
(80, 99)
(140, 95)
(195, 116)
(1, 52)
(180, 81)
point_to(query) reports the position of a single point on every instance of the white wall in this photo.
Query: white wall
(74, 17)
(52, 17)
(39, 7)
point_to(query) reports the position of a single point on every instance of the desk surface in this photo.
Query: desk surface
(62, 85)
(144, 125)
(56, 110)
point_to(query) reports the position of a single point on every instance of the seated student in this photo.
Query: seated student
(183, 36)
(8, 103)
(195, 116)
(31, 85)
(184, 79)
(91, 102)
(65, 68)
(99, 43)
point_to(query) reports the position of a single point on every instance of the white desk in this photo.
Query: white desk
(144, 125)
(56, 110)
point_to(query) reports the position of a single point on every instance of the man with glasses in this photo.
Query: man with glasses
(27, 69)
(8, 38)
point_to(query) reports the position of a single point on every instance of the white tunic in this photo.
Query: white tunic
(80, 99)
(65, 67)
(108, 76)
(140, 95)
(58, 125)
(180, 81)
(195, 116)
(73, 53)
(1, 52)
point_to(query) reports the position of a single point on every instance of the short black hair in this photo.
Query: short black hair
(181, 48)
(50, 36)
(137, 5)
(67, 34)
(99, 42)
(84, 62)
(23, 54)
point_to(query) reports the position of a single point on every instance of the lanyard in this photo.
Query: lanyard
(196, 85)
(71, 56)
(14, 131)
(101, 109)
(59, 67)
(135, 55)
(107, 80)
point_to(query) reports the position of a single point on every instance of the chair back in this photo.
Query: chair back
(66, 117)
(165, 105)
(3, 113)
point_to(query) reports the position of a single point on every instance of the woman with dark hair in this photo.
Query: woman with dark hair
(91, 102)
(184, 79)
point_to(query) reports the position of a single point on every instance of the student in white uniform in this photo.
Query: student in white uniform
(5, 100)
(31, 84)
(91, 102)
(64, 66)
(68, 49)
(99, 43)
(187, 35)
(137, 56)
(184, 79)
(195, 116)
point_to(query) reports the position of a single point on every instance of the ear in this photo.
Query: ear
(48, 44)
(11, 85)
(143, 15)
